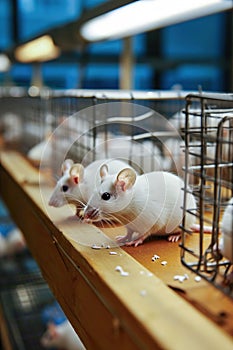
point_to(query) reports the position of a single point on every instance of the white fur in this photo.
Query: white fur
(151, 206)
(82, 191)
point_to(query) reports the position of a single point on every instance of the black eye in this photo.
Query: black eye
(106, 196)
(65, 188)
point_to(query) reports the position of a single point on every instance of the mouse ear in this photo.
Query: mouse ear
(103, 171)
(66, 165)
(77, 173)
(125, 179)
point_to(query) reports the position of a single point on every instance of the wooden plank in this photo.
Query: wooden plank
(137, 311)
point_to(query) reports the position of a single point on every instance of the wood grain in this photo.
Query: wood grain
(138, 311)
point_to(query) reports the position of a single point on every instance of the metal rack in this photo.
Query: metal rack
(85, 125)
(208, 137)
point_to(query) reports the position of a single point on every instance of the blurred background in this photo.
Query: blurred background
(185, 55)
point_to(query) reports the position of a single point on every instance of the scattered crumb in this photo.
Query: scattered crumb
(122, 272)
(143, 292)
(155, 257)
(164, 263)
(197, 278)
(105, 246)
(113, 253)
(181, 278)
(149, 274)
(95, 246)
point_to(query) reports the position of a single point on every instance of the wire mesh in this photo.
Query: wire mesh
(208, 135)
(22, 306)
(48, 126)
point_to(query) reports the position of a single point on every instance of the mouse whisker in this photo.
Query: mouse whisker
(113, 219)
(73, 200)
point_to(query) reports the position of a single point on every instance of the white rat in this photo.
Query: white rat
(146, 204)
(77, 183)
(226, 240)
(61, 336)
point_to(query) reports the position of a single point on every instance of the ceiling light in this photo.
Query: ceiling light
(144, 15)
(37, 50)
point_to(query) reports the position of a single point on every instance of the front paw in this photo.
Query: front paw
(121, 239)
(131, 239)
(174, 238)
(135, 242)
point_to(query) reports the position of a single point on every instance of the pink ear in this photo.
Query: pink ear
(77, 173)
(76, 180)
(125, 179)
(121, 186)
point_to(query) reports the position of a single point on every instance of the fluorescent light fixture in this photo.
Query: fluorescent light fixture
(37, 50)
(144, 15)
(5, 63)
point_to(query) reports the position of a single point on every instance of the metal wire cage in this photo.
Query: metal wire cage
(208, 136)
(86, 125)
(116, 124)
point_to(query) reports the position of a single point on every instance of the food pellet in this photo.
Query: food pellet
(155, 257)
(143, 293)
(181, 278)
(197, 278)
(122, 272)
(95, 246)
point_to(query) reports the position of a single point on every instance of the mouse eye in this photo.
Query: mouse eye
(106, 196)
(65, 188)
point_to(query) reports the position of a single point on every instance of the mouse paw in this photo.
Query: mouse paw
(135, 243)
(174, 238)
(121, 239)
(136, 239)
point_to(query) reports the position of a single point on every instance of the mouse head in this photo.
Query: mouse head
(68, 185)
(112, 196)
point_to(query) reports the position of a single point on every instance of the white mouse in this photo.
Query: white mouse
(61, 336)
(226, 240)
(13, 243)
(146, 204)
(77, 183)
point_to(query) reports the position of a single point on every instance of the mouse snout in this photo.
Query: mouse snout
(91, 214)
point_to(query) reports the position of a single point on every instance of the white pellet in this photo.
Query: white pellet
(155, 257)
(143, 292)
(95, 246)
(122, 272)
(197, 278)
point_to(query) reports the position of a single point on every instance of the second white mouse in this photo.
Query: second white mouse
(77, 183)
